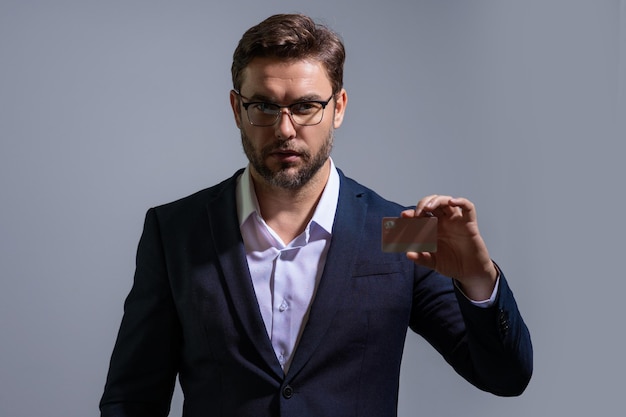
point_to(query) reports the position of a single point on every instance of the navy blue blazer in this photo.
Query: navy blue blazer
(192, 312)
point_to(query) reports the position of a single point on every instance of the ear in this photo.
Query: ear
(236, 107)
(341, 101)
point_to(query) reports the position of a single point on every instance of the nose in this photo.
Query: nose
(285, 127)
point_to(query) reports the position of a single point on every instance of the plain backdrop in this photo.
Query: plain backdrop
(110, 107)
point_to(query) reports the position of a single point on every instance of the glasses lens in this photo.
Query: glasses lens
(263, 114)
(305, 113)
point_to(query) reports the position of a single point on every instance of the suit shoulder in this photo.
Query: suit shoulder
(199, 199)
(374, 200)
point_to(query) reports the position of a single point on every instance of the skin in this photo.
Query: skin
(289, 166)
(461, 250)
(287, 197)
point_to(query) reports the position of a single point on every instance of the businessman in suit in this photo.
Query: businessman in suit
(268, 294)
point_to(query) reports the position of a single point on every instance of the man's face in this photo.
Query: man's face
(287, 155)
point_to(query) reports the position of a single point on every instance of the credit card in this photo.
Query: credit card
(409, 234)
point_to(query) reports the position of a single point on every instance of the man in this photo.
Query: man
(269, 295)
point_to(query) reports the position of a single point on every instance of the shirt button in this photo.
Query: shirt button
(287, 392)
(283, 306)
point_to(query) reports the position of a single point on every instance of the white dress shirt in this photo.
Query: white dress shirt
(285, 276)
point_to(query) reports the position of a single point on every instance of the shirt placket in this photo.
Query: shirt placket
(285, 288)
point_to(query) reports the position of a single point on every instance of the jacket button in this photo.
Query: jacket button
(287, 392)
(503, 322)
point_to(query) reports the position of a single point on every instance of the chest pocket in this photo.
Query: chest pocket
(385, 285)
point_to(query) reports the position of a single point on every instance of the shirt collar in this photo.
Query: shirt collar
(324, 215)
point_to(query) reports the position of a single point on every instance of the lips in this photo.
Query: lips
(286, 154)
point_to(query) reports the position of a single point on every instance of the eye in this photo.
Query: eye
(266, 108)
(305, 107)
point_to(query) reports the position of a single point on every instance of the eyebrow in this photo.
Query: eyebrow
(266, 99)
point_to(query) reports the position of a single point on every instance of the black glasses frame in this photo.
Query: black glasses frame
(288, 107)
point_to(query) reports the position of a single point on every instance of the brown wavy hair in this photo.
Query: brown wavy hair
(292, 37)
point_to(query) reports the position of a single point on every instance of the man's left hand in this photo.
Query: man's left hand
(461, 252)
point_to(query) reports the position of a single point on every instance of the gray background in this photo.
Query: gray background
(110, 107)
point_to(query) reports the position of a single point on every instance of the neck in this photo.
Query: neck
(289, 211)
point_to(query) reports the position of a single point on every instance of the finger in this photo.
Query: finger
(461, 202)
(426, 259)
(431, 203)
(447, 211)
(467, 207)
(408, 213)
(439, 206)
(422, 204)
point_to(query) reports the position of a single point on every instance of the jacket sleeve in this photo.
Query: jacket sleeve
(145, 358)
(489, 347)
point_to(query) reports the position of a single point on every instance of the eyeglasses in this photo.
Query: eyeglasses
(303, 113)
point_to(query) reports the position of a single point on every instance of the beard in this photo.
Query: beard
(286, 176)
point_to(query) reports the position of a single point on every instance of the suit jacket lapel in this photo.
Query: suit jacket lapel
(341, 258)
(222, 211)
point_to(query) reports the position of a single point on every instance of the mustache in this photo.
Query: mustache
(283, 146)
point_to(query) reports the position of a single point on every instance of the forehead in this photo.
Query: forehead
(280, 79)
